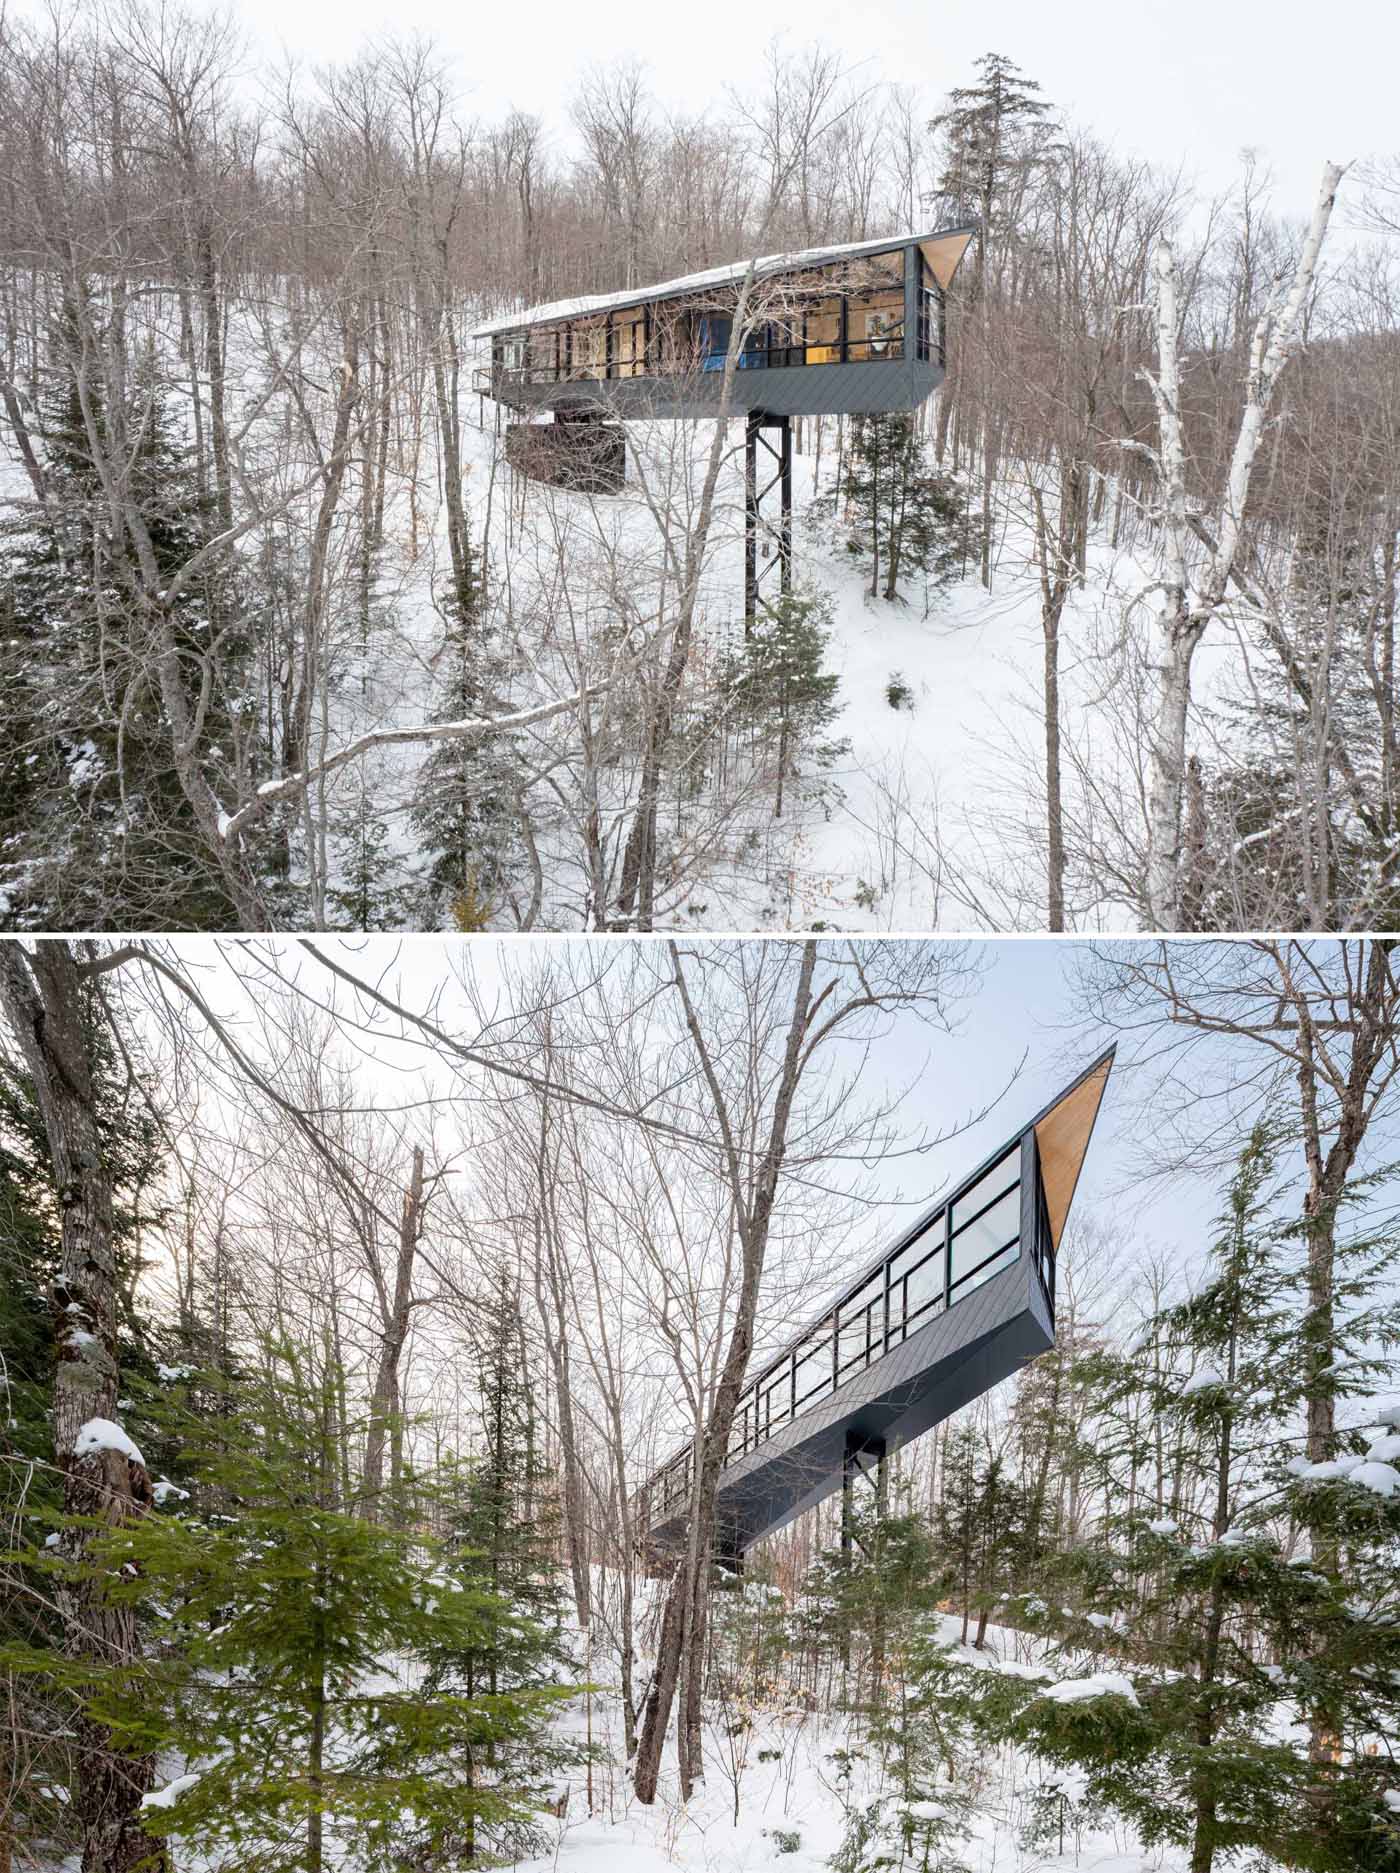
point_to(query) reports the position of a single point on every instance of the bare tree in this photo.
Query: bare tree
(1189, 608)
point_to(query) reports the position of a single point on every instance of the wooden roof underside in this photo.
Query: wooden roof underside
(1062, 1138)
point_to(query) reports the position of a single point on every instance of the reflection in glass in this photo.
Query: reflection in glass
(924, 1285)
(992, 1230)
(901, 1296)
(994, 1267)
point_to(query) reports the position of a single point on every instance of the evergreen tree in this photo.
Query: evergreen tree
(502, 1544)
(777, 682)
(34, 1796)
(295, 1684)
(91, 810)
(1217, 1607)
(899, 516)
(367, 898)
(749, 1635)
(467, 810)
(994, 132)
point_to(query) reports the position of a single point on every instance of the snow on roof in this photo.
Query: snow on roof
(699, 282)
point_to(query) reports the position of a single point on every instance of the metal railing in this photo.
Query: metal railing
(971, 1238)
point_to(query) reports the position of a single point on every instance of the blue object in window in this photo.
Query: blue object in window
(714, 342)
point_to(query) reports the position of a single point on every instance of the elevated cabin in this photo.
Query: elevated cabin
(855, 328)
(961, 1301)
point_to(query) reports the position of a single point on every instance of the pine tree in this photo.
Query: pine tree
(1216, 1607)
(776, 681)
(35, 1799)
(502, 1539)
(367, 898)
(467, 810)
(994, 132)
(295, 1684)
(898, 515)
(91, 810)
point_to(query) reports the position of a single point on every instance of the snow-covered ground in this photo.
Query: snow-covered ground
(931, 819)
(800, 1790)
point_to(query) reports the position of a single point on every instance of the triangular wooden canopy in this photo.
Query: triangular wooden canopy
(944, 253)
(1062, 1136)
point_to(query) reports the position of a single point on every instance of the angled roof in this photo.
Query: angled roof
(1062, 1131)
(764, 267)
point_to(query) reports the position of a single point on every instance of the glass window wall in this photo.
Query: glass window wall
(963, 1246)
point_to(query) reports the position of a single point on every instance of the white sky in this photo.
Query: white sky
(1192, 83)
(1023, 1010)
(1021, 1038)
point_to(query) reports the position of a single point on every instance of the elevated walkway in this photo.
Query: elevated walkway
(960, 1302)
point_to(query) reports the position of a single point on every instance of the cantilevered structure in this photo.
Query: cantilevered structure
(958, 1303)
(845, 329)
(849, 330)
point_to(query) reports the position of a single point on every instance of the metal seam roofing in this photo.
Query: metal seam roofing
(765, 266)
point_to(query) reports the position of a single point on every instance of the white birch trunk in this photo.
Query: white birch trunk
(1186, 615)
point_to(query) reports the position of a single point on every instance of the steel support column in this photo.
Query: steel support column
(761, 525)
(862, 1455)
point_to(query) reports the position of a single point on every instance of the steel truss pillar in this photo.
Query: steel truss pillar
(763, 527)
(865, 1456)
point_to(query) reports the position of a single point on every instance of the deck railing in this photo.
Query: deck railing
(973, 1237)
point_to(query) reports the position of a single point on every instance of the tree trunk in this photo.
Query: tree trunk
(295, 753)
(753, 1195)
(1167, 757)
(45, 1003)
(384, 1400)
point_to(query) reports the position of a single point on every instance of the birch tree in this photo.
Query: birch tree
(1191, 600)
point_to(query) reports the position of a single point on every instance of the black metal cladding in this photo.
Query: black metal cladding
(956, 1305)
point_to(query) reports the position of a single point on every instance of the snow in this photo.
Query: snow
(1383, 1479)
(1384, 1449)
(1391, 1800)
(1332, 1471)
(1164, 1525)
(101, 1434)
(930, 821)
(172, 1375)
(1099, 1684)
(165, 1491)
(693, 282)
(1206, 1379)
(167, 1797)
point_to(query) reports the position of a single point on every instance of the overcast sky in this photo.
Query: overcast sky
(1021, 1037)
(1191, 83)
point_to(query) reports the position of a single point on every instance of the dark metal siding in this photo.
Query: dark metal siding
(796, 390)
(943, 1366)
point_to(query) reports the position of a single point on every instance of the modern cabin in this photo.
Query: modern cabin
(852, 329)
(957, 1304)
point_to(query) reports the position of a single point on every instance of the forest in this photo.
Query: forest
(350, 1292)
(1101, 637)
